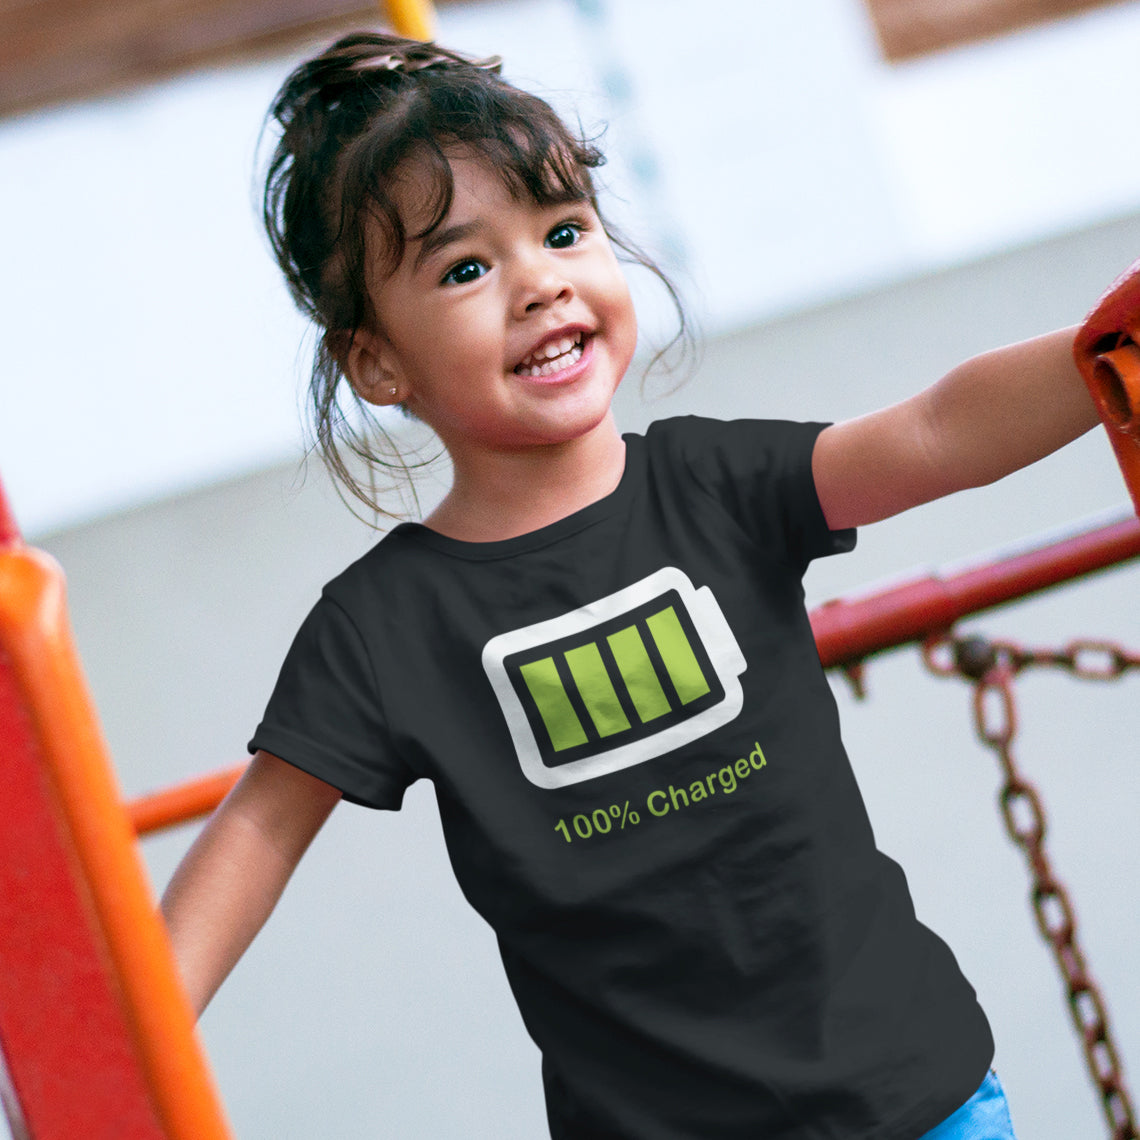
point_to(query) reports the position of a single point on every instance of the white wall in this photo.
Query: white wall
(373, 1003)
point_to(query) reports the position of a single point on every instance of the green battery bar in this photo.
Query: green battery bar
(592, 680)
(677, 653)
(596, 690)
(554, 705)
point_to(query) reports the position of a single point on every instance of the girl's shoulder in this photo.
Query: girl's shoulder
(386, 560)
(713, 448)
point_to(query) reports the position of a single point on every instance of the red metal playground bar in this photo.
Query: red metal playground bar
(845, 631)
(848, 631)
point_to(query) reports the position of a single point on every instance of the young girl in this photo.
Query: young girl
(596, 646)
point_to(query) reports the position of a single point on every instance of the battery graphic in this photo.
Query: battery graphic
(617, 682)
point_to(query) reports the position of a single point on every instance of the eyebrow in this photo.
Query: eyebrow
(437, 239)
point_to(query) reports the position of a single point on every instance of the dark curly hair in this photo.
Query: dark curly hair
(349, 118)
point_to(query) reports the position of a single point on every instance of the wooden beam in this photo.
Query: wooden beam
(909, 28)
(53, 51)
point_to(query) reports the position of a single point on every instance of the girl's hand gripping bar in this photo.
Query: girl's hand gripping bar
(1107, 351)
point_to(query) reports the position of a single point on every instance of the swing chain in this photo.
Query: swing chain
(992, 667)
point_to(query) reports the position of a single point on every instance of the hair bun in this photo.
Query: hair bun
(420, 56)
(338, 79)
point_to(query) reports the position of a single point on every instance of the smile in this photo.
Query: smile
(554, 356)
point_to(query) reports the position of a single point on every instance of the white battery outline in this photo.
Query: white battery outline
(713, 630)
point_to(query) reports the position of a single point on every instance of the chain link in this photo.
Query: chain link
(992, 666)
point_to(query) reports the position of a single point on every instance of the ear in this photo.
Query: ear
(372, 368)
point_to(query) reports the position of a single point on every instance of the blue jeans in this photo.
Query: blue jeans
(985, 1116)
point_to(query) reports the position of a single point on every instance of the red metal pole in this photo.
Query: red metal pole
(1107, 352)
(69, 1055)
(848, 631)
(69, 1050)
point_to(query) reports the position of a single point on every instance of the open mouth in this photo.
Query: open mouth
(553, 356)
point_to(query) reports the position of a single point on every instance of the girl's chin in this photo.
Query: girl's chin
(566, 426)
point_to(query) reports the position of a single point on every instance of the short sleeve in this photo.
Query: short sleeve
(760, 471)
(324, 715)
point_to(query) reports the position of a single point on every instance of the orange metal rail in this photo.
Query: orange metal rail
(182, 802)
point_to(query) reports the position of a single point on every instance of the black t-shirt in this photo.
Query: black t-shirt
(643, 790)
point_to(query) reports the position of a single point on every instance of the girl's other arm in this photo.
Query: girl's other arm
(988, 417)
(232, 876)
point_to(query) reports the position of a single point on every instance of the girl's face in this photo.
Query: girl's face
(507, 328)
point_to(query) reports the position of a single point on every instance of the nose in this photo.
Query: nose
(541, 283)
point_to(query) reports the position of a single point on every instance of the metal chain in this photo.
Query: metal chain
(992, 667)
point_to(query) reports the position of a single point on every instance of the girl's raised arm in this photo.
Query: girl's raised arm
(232, 876)
(985, 419)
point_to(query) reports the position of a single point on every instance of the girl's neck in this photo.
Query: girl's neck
(518, 492)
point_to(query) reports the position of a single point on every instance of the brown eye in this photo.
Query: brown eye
(464, 272)
(564, 235)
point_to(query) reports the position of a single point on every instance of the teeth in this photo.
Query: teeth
(563, 359)
(534, 364)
